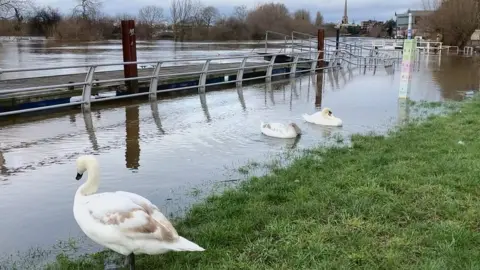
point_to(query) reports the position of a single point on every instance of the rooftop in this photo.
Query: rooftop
(415, 13)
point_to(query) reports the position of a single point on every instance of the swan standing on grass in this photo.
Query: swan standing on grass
(279, 130)
(324, 117)
(122, 221)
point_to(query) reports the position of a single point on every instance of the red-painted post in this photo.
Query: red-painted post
(321, 47)
(129, 45)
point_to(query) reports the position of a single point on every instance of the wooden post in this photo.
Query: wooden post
(321, 47)
(129, 46)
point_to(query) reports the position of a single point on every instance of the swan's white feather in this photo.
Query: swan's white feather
(127, 223)
(278, 130)
(323, 118)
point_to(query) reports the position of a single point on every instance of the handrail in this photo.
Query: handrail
(297, 57)
(277, 33)
(303, 34)
(139, 62)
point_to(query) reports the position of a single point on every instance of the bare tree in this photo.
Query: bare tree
(454, 20)
(124, 16)
(240, 13)
(13, 9)
(318, 19)
(45, 22)
(87, 9)
(150, 17)
(209, 15)
(150, 14)
(302, 15)
(181, 13)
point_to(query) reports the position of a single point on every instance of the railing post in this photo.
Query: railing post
(292, 43)
(154, 80)
(87, 89)
(203, 77)
(266, 40)
(293, 68)
(270, 68)
(240, 71)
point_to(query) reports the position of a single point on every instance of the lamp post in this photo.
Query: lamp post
(337, 40)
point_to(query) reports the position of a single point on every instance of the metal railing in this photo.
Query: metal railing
(348, 54)
(86, 98)
(389, 47)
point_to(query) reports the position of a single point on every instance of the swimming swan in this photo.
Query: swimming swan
(279, 130)
(122, 221)
(324, 117)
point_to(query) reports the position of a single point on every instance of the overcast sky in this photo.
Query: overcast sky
(332, 10)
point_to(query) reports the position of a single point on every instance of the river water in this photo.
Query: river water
(41, 53)
(165, 149)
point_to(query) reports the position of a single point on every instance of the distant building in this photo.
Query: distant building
(365, 25)
(475, 38)
(417, 17)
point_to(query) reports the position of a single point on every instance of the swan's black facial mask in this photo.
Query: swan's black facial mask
(79, 176)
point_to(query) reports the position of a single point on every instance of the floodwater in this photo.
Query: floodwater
(51, 53)
(164, 149)
(42, 53)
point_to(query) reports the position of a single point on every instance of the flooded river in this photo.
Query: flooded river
(163, 150)
(52, 53)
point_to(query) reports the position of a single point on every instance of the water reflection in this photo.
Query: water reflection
(403, 111)
(132, 129)
(87, 118)
(331, 79)
(241, 98)
(335, 77)
(319, 90)
(294, 87)
(156, 115)
(350, 73)
(295, 142)
(456, 74)
(269, 90)
(344, 77)
(203, 102)
(3, 168)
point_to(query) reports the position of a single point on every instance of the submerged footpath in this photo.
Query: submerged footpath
(408, 200)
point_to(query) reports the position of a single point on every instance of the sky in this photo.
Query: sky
(332, 10)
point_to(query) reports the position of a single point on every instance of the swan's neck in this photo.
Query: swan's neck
(91, 185)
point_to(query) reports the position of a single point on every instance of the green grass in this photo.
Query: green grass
(409, 200)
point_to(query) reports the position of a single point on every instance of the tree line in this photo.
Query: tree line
(453, 20)
(184, 20)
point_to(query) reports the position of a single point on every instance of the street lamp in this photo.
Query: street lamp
(337, 27)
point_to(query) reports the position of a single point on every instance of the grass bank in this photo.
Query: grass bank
(409, 200)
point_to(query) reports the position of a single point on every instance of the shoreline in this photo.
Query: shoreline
(403, 200)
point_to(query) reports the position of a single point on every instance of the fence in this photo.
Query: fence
(348, 54)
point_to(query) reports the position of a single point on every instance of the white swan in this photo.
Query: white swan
(324, 117)
(122, 221)
(279, 130)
